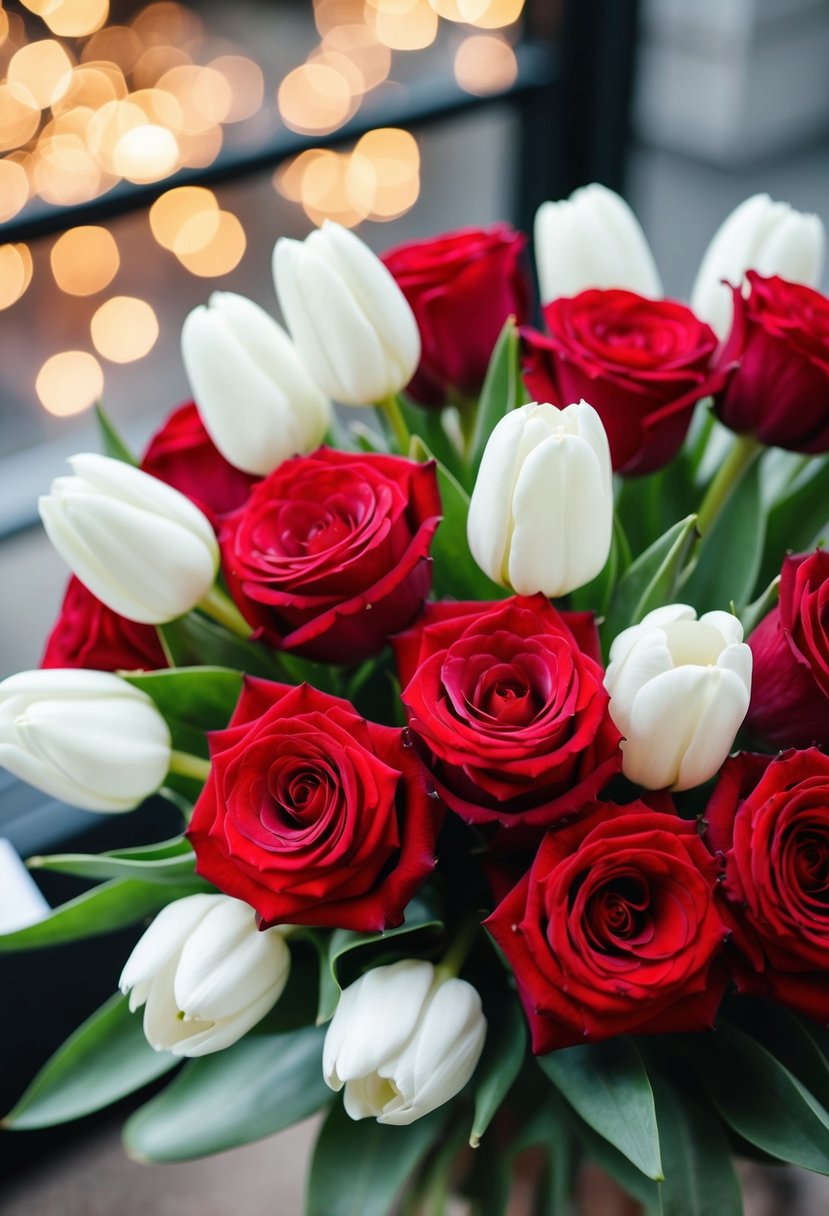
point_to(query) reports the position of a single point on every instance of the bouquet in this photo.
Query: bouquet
(494, 720)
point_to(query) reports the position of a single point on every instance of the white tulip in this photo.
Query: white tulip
(85, 737)
(350, 321)
(541, 514)
(763, 235)
(679, 689)
(137, 544)
(403, 1041)
(205, 974)
(592, 239)
(255, 397)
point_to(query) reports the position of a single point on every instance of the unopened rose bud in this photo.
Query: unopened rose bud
(85, 737)
(205, 974)
(137, 544)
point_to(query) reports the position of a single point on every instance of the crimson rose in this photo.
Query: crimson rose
(461, 287)
(507, 702)
(768, 821)
(183, 455)
(642, 364)
(790, 684)
(778, 350)
(614, 929)
(312, 815)
(88, 634)
(330, 554)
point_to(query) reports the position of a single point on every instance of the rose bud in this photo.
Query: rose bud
(205, 974)
(790, 689)
(403, 1041)
(614, 929)
(760, 234)
(679, 690)
(541, 513)
(257, 401)
(138, 545)
(777, 355)
(350, 321)
(84, 737)
(88, 634)
(462, 288)
(642, 364)
(592, 239)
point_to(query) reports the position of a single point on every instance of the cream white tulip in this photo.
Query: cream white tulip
(403, 1041)
(85, 737)
(205, 974)
(679, 690)
(350, 321)
(541, 514)
(137, 544)
(592, 239)
(255, 397)
(763, 235)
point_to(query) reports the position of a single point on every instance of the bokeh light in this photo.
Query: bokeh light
(315, 99)
(384, 173)
(124, 329)
(116, 44)
(484, 64)
(76, 18)
(69, 382)
(146, 153)
(84, 260)
(15, 273)
(14, 188)
(490, 14)
(19, 116)
(221, 252)
(246, 83)
(173, 210)
(44, 69)
(403, 25)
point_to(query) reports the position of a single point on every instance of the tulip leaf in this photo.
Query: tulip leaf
(699, 1171)
(729, 556)
(615, 1164)
(608, 1086)
(194, 641)
(359, 1168)
(111, 906)
(648, 506)
(259, 1086)
(798, 520)
(789, 1123)
(753, 613)
(500, 1064)
(799, 1044)
(192, 700)
(111, 441)
(503, 391)
(170, 861)
(651, 580)
(105, 1059)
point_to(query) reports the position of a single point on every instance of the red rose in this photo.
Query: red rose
(642, 364)
(330, 554)
(768, 820)
(88, 634)
(790, 684)
(312, 815)
(614, 929)
(779, 346)
(508, 705)
(461, 287)
(183, 455)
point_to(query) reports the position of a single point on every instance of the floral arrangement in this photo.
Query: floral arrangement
(495, 828)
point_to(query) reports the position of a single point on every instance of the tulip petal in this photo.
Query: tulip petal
(164, 938)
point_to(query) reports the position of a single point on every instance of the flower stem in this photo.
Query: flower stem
(185, 765)
(744, 451)
(221, 608)
(453, 960)
(394, 415)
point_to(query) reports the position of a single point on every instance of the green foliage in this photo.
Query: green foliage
(111, 442)
(799, 519)
(596, 595)
(503, 391)
(728, 557)
(500, 1064)
(699, 1172)
(192, 700)
(171, 861)
(651, 580)
(195, 641)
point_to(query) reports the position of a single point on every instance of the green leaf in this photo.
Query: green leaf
(192, 700)
(170, 861)
(596, 595)
(258, 1086)
(123, 901)
(195, 641)
(620, 1169)
(506, 1041)
(699, 1172)
(607, 1085)
(104, 1060)
(798, 1043)
(648, 506)
(503, 391)
(798, 520)
(789, 1122)
(652, 579)
(111, 441)
(359, 1168)
(728, 558)
(753, 613)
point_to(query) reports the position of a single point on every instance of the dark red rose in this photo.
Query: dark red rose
(88, 634)
(615, 930)
(461, 287)
(642, 364)
(768, 823)
(778, 351)
(312, 815)
(790, 683)
(183, 455)
(330, 554)
(507, 704)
